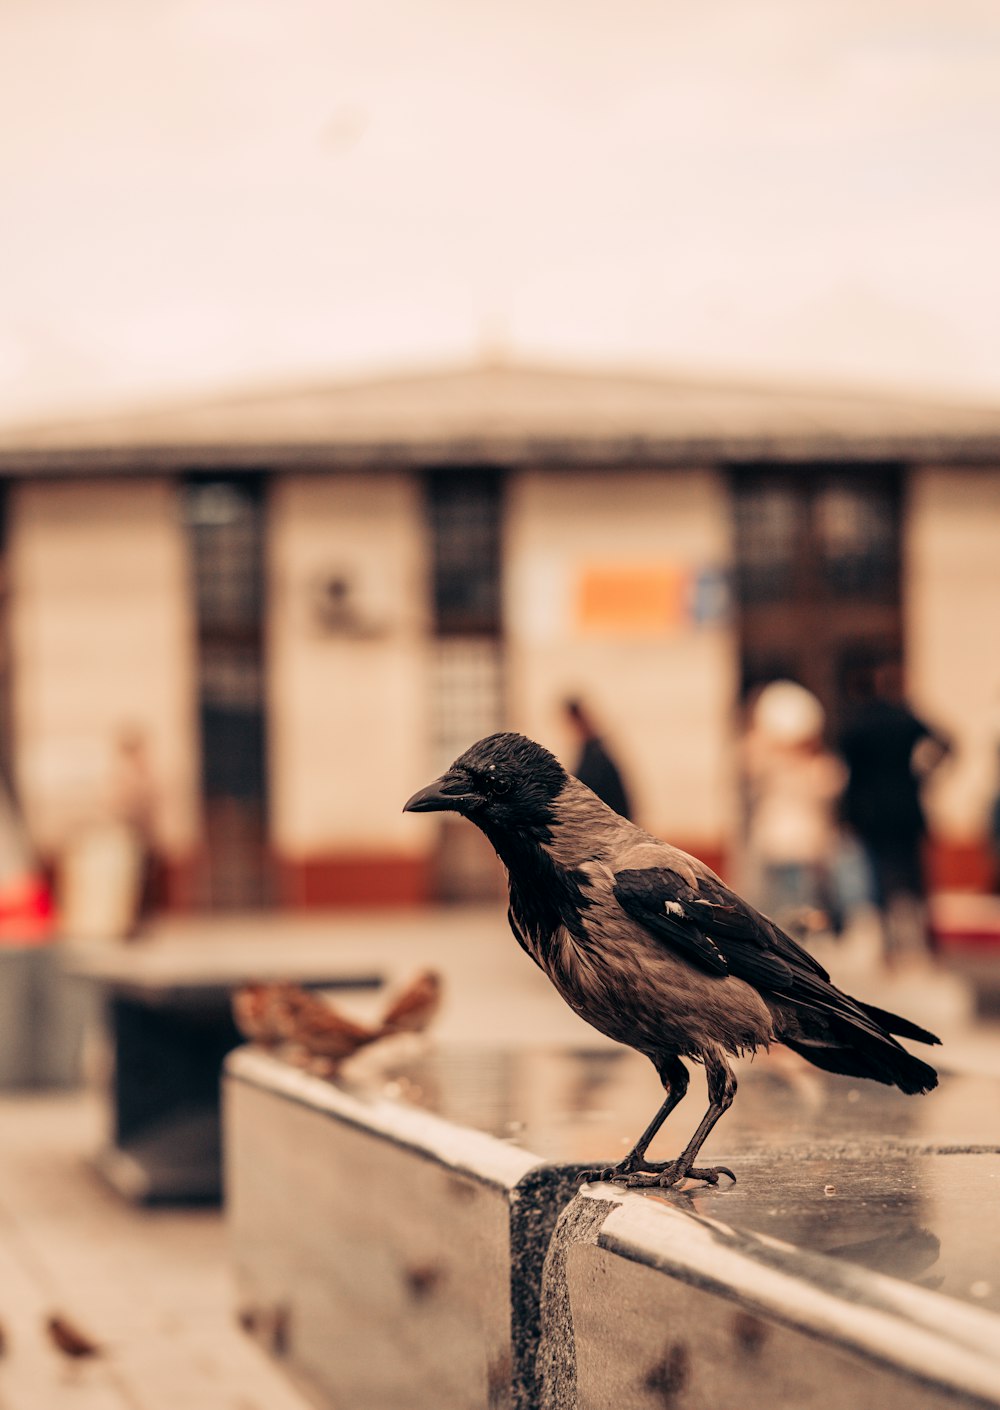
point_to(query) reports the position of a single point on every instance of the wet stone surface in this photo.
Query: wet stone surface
(924, 1217)
(899, 1185)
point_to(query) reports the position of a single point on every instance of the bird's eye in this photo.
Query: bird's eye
(498, 784)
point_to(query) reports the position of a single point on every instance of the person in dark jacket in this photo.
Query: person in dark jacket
(889, 751)
(595, 766)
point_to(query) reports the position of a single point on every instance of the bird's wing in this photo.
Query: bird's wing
(709, 925)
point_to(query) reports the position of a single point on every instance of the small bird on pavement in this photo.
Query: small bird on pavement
(69, 1340)
(650, 947)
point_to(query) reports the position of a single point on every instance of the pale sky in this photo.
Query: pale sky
(199, 195)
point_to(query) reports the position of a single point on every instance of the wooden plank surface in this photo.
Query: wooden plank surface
(152, 1287)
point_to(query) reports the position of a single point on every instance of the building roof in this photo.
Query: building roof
(510, 415)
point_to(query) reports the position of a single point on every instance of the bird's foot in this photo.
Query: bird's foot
(673, 1172)
(618, 1174)
(644, 1174)
(623, 1172)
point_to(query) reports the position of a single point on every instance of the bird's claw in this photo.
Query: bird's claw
(604, 1174)
(710, 1174)
(649, 1176)
(620, 1174)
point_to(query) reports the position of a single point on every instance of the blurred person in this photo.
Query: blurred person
(106, 867)
(594, 765)
(133, 802)
(994, 842)
(993, 817)
(793, 784)
(889, 752)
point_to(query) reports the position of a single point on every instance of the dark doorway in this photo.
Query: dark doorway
(817, 582)
(225, 523)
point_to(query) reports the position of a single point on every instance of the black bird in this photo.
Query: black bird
(652, 948)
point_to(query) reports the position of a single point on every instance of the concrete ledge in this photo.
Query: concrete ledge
(646, 1304)
(395, 1258)
(389, 1257)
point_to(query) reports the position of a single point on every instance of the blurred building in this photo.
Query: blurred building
(309, 601)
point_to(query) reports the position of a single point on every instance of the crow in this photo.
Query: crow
(651, 948)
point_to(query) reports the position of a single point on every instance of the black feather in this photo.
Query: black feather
(646, 898)
(891, 1065)
(721, 938)
(902, 1027)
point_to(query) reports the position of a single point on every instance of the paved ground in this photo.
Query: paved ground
(153, 1287)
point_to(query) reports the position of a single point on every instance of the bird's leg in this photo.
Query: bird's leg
(721, 1091)
(635, 1172)
(674, 1076)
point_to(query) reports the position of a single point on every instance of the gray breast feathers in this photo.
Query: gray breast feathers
(631, 988)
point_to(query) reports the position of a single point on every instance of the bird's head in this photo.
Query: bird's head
(505, 783)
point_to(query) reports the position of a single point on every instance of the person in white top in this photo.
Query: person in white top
(793, 785)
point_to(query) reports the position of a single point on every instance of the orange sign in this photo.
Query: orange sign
(634, 601)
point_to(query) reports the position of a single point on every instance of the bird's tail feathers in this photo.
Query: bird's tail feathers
(840, 1034)
(884, 1062)
(902, 1027)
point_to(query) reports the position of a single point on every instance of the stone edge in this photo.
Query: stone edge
(912, 1330)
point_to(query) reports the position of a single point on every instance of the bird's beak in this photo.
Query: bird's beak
(447, 794)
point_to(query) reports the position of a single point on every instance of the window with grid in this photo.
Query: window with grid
(464, 510)
(224, 517)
